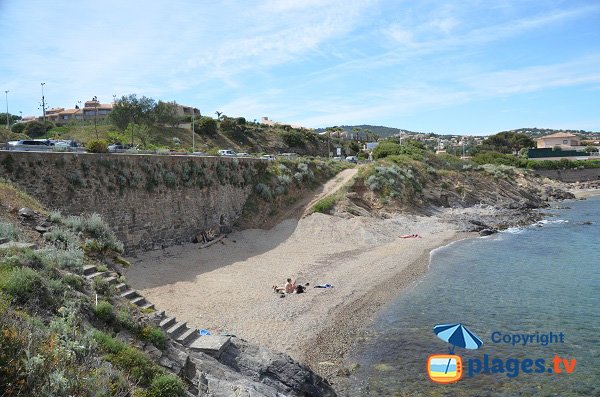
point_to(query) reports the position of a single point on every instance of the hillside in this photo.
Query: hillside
(238, 135)
(379, 130)
(537, 132)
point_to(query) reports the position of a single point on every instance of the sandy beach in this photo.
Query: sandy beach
(227, 287)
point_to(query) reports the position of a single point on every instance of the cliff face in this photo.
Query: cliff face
(509, 195)
(149, 201)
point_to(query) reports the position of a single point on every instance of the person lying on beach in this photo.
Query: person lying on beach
(410, 236)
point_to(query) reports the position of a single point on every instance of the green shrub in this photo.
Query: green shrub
(411, 148)
(125, 320)
(61, 238)
(74, 281)
(70, 259)
(136, 363)
(104, 311)
(55, 217)
(264, 191)
(97, 146)
(155, 336)
(25, 284)
(8, 230)
(325, 205)
(101, 286)
(107, 343)
(499, 159)
(167, 386)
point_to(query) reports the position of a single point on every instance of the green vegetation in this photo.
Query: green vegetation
(325, 205)
(54, 341)
(97, 146)
(9, 231)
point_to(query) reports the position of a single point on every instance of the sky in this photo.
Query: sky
(448, 67)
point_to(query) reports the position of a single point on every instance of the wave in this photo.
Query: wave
(551, 221)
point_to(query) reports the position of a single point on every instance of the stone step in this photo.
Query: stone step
(94, 275)
(129, 294)
(212, 345)
(89, 269)
(176, 329)
(139, 301)
(187, 336)
(112, 280)
(167, 322)
(121, 287)
(148, 306)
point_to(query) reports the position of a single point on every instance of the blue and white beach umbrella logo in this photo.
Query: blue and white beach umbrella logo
(447, 368)
(457, 335)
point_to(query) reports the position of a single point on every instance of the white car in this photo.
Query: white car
(243, 155)
(267, 157)
(226, 152)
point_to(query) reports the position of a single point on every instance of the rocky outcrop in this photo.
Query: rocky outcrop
(244, 370)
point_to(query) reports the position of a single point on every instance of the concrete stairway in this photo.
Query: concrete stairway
(177, 331)
(212, 345)
(90, 272)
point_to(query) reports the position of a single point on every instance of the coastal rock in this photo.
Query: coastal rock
(245, 370)
(487, 232)
(26, 212)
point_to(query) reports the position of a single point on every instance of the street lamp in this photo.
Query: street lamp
(44, 110)
(7, 122)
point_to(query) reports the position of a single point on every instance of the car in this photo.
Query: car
(267, 157)
(116, 148)
(226, 152)
(243, 155)
(337, 158)
(30, 145)
(352, 159)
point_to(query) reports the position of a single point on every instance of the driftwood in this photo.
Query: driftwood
(212, 242)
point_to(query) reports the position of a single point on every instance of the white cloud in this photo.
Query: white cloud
(536, 78)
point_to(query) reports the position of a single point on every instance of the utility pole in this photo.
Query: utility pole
(96, 118)
(7, 121)
(44, 110)
(193, 131)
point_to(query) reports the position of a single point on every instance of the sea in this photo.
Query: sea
(528, 294)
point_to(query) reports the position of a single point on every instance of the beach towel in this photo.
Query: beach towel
(324, 286)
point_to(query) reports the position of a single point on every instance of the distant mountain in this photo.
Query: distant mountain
(534, 132)
(376, 129)
(537, 132)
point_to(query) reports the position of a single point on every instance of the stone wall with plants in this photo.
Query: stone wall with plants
(149, 201)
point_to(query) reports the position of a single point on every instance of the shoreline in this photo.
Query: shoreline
(326, 353)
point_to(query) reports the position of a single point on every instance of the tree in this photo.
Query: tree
(131, 109)
(18, 127)
(506, 142)
(165, 113)
(36, 128)
(207, 126)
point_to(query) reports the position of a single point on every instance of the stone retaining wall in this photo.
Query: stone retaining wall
(588, 174)
(150, 201)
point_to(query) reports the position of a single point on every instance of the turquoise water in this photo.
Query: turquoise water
(540, 279)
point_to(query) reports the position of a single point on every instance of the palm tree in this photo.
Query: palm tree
(219, 114)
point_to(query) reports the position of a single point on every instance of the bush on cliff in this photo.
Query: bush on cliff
(97, 146)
